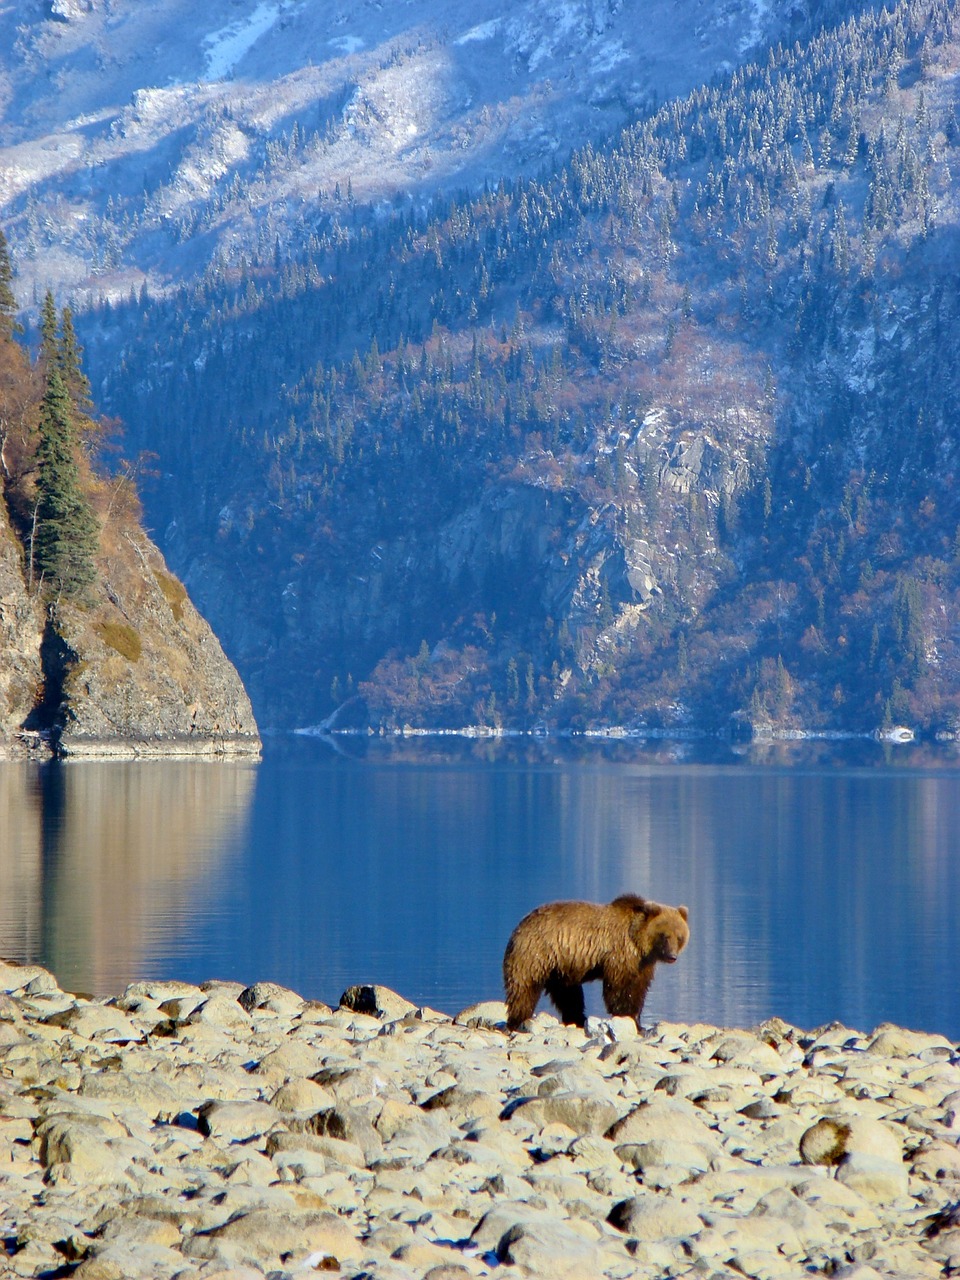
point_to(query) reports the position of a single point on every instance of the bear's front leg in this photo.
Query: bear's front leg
(568, 997)
(624, 997)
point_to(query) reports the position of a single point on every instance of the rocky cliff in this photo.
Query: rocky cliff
(135, 671)
(21, 630)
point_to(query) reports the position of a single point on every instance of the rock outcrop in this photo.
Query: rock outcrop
(132, 670)
(21, 630)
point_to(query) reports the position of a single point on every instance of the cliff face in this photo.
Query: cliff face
(20, 633)
(136, 672)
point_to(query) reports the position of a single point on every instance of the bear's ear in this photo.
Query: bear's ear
(684, 912)
(648, 909)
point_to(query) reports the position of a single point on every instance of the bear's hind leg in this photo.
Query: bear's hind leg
(568, 997)
(521, 1002)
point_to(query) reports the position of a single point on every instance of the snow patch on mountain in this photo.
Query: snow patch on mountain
(226, 47)
(484, 31)
(758, 15)
(145, 121)
(347, 44)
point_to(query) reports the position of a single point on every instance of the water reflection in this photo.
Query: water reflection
(816, 891)
(21, 863)
(103, 865)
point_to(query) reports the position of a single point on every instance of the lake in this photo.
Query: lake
(821, 884)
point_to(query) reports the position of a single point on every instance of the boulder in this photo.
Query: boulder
(871, 1176)
(832, 1138)
(379, 1002)
(653, 1217)
(582, 1113)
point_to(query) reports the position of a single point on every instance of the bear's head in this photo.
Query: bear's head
(659, 932)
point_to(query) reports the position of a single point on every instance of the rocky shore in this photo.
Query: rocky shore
(239, 1132)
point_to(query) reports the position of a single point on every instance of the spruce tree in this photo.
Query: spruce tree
(65, 535)
(69, 356)
(49, 346)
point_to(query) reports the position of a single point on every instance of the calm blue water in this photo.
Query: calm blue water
(817, 890)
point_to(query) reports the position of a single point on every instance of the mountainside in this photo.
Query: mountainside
(102, 651)
(665, 437)
(139, 143)
(661, 437)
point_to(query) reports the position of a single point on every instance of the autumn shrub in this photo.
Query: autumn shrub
(121, 637)
(174, 592)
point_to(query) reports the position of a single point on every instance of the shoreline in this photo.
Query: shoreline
(221, 1130)
(898, 735)
(29, 745)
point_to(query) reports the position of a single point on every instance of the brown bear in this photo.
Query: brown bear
(563, 944)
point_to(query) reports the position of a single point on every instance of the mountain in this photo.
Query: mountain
(659, 437)
(102, 651)
(139, 143)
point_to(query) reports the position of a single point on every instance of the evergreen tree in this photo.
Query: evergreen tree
(49, 346)
(69, 356)
(8, 303)
(65, 536)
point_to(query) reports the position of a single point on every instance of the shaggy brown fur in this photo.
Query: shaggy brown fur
(563, 944)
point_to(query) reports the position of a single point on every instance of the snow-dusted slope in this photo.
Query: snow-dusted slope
(139, 139)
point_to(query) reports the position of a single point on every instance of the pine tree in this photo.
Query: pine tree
(8, 303)
(65, 536)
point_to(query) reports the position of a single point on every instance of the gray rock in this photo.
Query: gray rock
(377, 1001)
(158, 992)
(155, 680)
(220, 1011)
(96, 1021)
(267, 1235)
(82, 1142)
(652, 1217)
(497, 1221)
(148, 1091)
(549, 1248)
(236, 1121)
(491, 1015)
(838, 1203)
(17, 977)
(810, 1226)
(463, 1104)
(299, 1164)
(583, 1113)
(350, 1124)
(889, 1041)
(876, 1179)
(268, 995)
(301, 1095)
(349, 1080)
(291, 1059)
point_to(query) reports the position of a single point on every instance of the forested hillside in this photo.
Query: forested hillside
(664, 436)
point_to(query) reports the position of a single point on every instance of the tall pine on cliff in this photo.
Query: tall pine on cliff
(65, 534)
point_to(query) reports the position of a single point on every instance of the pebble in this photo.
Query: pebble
(231, 1132)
